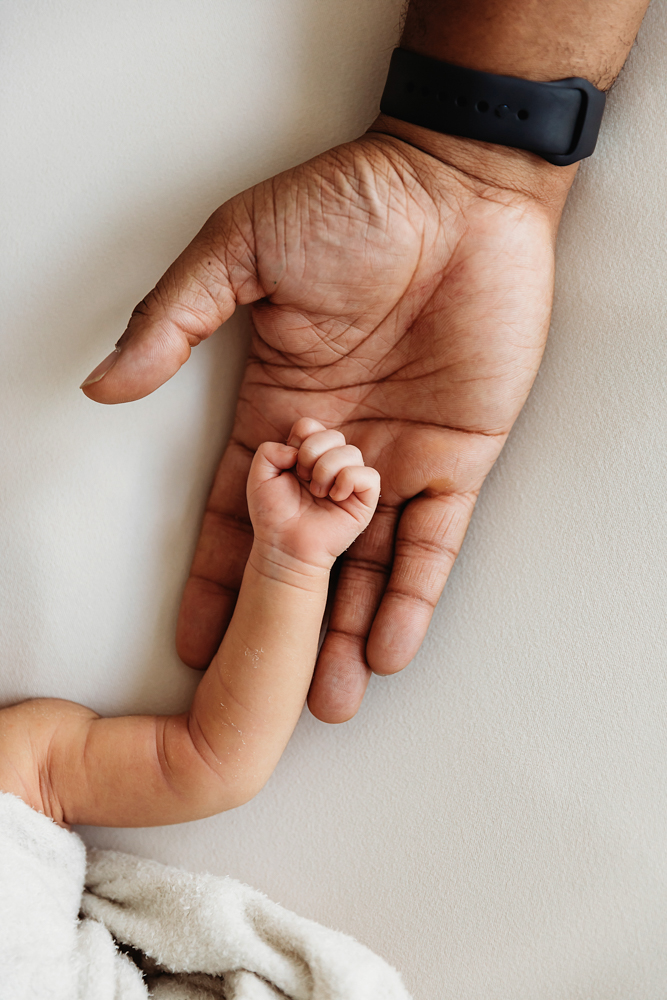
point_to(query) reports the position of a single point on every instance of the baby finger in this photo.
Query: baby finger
(312, 449)
(330, 464)
(363, 481)
(303, 428)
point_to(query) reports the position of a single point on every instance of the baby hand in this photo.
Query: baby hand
(310, 498)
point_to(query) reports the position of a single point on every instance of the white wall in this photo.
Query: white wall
(493, 822)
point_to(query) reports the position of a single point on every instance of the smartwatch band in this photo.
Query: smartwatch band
(559, 120)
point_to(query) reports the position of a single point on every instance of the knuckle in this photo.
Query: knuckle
(325, 474)
(325, 462)
(440, 551)
(307, 455)
(408, 595)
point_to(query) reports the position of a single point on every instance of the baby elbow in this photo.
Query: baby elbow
(197, 772)
(240, 791)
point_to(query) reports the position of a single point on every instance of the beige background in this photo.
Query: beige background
(494, 821)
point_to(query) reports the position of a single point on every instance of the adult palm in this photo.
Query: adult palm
(395, 297)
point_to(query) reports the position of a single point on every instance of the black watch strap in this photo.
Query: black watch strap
(559, 120)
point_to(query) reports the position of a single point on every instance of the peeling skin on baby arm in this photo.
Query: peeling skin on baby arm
(254, 654)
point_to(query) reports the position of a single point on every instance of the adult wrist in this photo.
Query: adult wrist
(516, 38)
(503, 167)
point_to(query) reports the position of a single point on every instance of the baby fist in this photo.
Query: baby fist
(310, 498)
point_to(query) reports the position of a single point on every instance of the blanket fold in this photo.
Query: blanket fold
(125, 928)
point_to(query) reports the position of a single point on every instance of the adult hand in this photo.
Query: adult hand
(400, 295)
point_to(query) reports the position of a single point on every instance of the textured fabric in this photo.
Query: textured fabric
(493, 822)
(193, 936)
(46, 953)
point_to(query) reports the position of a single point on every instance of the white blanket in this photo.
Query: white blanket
(123, 928)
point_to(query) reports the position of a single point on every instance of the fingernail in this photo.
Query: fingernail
(102, 369)
(294, 441)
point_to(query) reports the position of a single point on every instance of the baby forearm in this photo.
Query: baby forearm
(249, 702)
(149, 770)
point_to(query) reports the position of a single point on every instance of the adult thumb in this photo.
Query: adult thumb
(191, 300)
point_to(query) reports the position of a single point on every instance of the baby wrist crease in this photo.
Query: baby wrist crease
(276, 564)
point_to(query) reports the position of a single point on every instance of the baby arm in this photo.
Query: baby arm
(308, 500)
